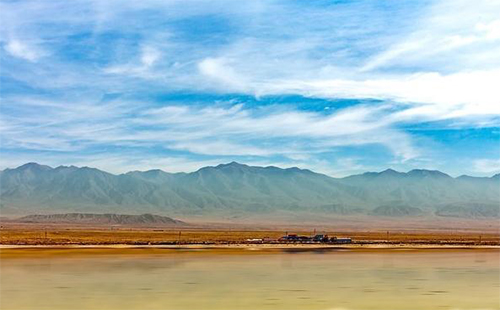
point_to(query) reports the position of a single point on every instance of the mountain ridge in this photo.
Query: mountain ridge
(235, 189)
(237, 164)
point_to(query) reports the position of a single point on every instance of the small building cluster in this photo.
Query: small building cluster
(294, 238)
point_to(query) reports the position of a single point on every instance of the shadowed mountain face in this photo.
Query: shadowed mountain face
(235, 189)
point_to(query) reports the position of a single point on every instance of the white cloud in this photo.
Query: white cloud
(487, 165)
(23, 50)
(360, 125)
(445, 56)
(447, 32)
(144, 68)
(490, 30)
(430, 95)
(149, 56)
(220, 70)
(444, 67)
(471, 96)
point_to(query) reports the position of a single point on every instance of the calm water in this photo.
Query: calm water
(396, 279)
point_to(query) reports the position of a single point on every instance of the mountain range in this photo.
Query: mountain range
(238, 190)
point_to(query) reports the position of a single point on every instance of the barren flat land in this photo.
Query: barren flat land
(41, 234)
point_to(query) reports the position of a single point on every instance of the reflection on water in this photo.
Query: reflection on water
(465, 279)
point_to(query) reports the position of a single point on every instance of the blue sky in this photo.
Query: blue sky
(339, 87)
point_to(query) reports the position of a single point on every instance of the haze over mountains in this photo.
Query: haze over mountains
(236, 190)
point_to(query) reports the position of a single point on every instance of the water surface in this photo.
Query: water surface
(384, 279)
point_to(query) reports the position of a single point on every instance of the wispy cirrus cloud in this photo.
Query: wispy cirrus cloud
(227, 129)
(314, 84)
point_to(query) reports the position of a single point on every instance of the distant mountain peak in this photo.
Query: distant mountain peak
(427, 173)
(243, 167)
(232, 164)
(33, 165)
(296, 169)
(468, 177)
(390, 171)
(151, 172)
(30, 167)
(386, 173)
(415, 173)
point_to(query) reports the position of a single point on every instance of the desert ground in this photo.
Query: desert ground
(60, 234)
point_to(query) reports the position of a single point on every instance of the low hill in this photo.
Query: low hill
(111, 219)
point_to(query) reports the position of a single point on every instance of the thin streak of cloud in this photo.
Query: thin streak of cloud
(223, 130)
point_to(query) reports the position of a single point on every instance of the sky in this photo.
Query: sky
(338, 87)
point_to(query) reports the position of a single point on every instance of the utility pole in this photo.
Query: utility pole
(179, 241)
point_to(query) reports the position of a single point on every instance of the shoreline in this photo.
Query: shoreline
(371, 245)
(29, 252)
